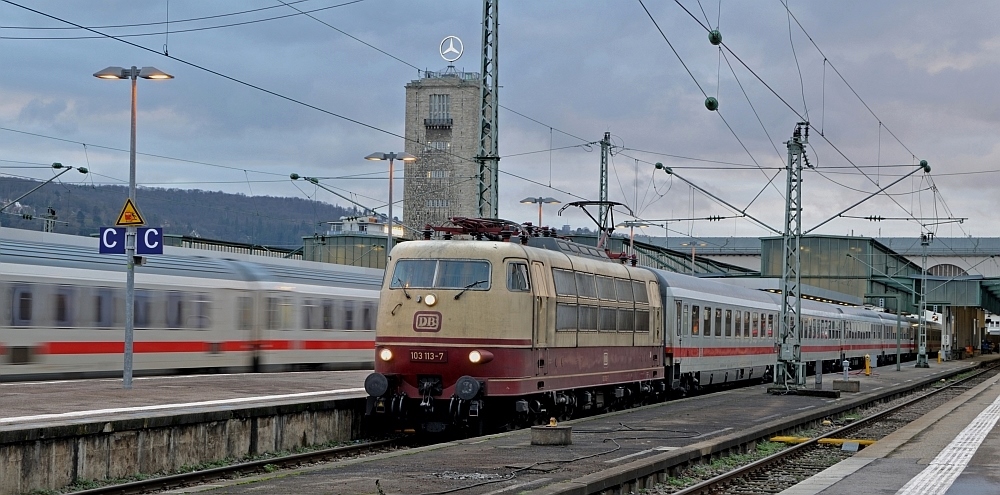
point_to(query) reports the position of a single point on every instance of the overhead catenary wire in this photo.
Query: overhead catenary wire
(698, 84)
(157, 33)
(157, 23)
(785, 102)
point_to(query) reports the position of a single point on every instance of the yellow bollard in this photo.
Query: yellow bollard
(868, 365)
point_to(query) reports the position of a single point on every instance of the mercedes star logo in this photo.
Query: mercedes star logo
(451, 48)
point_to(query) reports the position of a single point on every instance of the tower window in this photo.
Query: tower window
(440, 112)
(440, 107)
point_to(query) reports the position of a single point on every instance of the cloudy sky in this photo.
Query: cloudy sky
(262, 91)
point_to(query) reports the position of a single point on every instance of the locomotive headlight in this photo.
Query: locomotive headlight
(385, 354)
(480, 357)
(430, 299)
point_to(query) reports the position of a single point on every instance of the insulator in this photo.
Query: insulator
(715, 37)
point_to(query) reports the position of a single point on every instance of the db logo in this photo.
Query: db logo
(426, 321)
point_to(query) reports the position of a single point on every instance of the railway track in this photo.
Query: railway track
(790, 466)
(174, 481)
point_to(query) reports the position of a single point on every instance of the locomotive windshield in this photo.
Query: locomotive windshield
(441, 274)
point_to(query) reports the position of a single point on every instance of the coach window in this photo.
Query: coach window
(770, 325)
(175, 310)
(368, 315)
(739, 323)
(244, 305)
(687, 320)
(718, 322)
(202, 311)
(626, 320)
(588, 318)
(310, 311)
(327, 314)
(639, 290)
(695, 320)
(348, 314)
(746, 324)
(642, 321)
(517, 277)
(271, 312)
(103, 308)
(565, 282)
(22, 305)
(608, 318)
(585, 285)
(624, 289)
(606, 288)
(681, 315)
(566, 316)
(706, 325)
(63, 306)
(729, 323)
(143, 309)
(755, 328)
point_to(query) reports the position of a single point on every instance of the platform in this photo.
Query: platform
(40, 404)
(953, 450)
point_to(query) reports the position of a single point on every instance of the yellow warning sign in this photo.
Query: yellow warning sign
(130, 216)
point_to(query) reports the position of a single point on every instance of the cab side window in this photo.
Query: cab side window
(517, 277)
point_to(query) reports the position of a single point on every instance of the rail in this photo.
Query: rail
(718, 483)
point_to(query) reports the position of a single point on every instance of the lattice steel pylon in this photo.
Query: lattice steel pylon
(488, 156)
(602, 214)
(790, 370)
(925, 240)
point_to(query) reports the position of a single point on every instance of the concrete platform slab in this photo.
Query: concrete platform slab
(41, 404)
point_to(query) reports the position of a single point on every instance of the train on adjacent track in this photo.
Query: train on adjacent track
(195, 311)
(487, 334)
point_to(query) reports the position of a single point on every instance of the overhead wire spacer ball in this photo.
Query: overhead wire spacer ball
(711, 103)
(715, 37)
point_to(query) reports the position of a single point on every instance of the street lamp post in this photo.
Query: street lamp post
(131, 73)
(405, 157)
(540, 201)
(693, 245)
(631, 224)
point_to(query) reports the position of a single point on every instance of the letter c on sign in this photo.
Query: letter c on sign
(104, 239)
(150, 244)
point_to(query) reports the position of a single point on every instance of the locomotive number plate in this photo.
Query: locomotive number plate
(429, 356)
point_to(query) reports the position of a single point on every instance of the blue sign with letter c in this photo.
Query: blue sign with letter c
(149, 240)
(112, 240)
